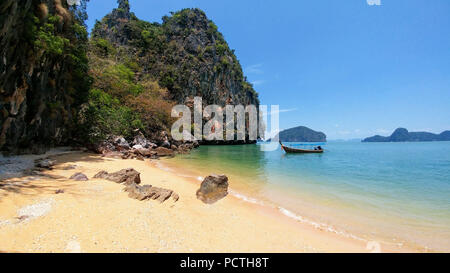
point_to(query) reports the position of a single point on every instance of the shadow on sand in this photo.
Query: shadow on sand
(32, 182)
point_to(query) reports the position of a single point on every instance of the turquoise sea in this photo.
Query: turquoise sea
(398, 193)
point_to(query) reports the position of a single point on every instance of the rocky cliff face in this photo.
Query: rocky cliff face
(42, 72)
(137, 71)
(186, 54)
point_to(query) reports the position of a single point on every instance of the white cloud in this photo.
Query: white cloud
(288, 110)
(282, 111)
(374, 2)
(254, 69)
(258, 82)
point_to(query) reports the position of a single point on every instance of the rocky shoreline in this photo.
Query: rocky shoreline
(213, 188)
(141, 147)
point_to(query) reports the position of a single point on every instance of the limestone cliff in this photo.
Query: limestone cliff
(186, 54)
(43, 72)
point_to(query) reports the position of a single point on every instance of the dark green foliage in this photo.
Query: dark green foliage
(48, 40)
(106, 115)
(122, 102)
(102, 47)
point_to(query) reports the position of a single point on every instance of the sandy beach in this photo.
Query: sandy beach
(98, 216)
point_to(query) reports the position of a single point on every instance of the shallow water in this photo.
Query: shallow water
(398, 193)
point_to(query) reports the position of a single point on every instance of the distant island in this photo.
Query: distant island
(302, 134)
(402, 135)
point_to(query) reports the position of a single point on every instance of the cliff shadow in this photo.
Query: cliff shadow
(32, 182)
(42, 184)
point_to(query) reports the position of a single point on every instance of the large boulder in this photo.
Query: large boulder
(166, 144)
(121, 144)
(137, 147)
(147, 192)
(125, 176)
(112, 146)
(103, 147)
(144, 152)
(141, 140)
(70, 167)
(213, 188)
(161, 138)
(79, 177)
(138, 192)
(161, 151)
(45, 163)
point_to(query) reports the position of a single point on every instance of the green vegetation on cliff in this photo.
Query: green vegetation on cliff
(148, 67)
(121, 102)
(185, 54)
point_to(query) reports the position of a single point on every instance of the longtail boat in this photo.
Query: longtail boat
(290, 150)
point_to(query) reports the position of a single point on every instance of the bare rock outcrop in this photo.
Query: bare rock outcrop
(79, 177)
(213, 188)
(145, 152)
(121, 144)
(141, 148)
(45, 163)
(161, 151)
(69, 167)
(147, 192)
(142, 141)
(125, 176)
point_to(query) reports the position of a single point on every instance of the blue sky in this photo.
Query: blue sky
(343, 67)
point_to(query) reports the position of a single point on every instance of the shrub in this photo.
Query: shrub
(117, 80)
(102, 47)
(106, 116)
(221, 48)
(48, 40)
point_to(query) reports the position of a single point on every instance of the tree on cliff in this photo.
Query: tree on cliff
(124, 5)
